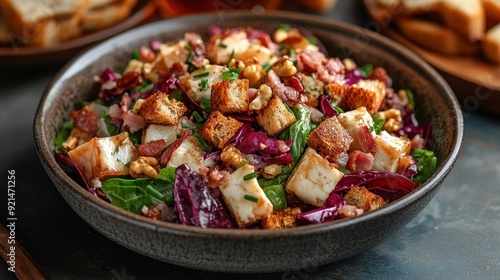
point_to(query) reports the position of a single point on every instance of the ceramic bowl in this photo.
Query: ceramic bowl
(251, 250)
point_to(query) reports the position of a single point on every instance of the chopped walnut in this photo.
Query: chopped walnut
(393, 119)
(134, 66)
(254, 73)
(75, 139)
(349, 64)
(263, 96)
(236, 63)
(232, 156)
(284, 67)
(272, 171)
(401, 98)
(144, 167)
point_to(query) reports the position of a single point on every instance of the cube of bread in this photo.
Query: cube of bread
(275, 117)
(388, 150)
(491, 44)
(104, 157)
(286, 218)
(159, 109)
(354, 120)
(245, 199)
(492, 9)
(218, 129)
(313, 179)
(364, 199)
(330, 139)
(230, 96)
(367, 93)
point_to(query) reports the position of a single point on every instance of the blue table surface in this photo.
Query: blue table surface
(457, 236)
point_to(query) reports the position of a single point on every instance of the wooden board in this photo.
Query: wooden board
(475, 80)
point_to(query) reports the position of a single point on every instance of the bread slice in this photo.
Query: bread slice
(101, 14)
(435, 37)
(491, 44)
(466, 17)
(42, 22)
(492, 11)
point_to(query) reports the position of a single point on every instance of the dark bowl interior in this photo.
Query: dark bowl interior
(251, 250)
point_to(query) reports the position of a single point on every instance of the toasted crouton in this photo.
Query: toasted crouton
(367, 93)
(286, 218)
(218, 129)
(275, 117)
(230, 96)
(364, 199)
(159, 109)
(330, 139)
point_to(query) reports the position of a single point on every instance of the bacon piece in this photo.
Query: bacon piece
(365, 139)
(286, 93)
(348, 211)
(308, 60)
(85, 120)
(152, 148)
(165, 156)
(115, 114)
(331, 71)
(133, 122)
(380, 74)
(294, 83)
(125, 103)
(359, 161)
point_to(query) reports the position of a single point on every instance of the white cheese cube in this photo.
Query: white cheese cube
(194, 85)
(104, 157)
(219, 51)
(158, 131)
(190, 153)
(389, 149)
(255, 206)
(313, 179)
(353, 120)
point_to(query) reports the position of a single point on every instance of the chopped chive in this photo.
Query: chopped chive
(203, 67)
(228, 75)
(249, 176)
(204, 74)
(197, 116)
(203, 144)
(187, 47)
(285, 26)
(230, 58)
(242, 164)
(222, 45)
(291, 52)
(266, 66)
(312, 40)
(190, 57)
(154, 192)
(288, 108)
(282, 47)
(235, 70)
(135, 55)
(190, 127)
(250, 198)
(204, 84)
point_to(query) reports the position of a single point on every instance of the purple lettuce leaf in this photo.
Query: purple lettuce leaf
(195, 203)
(326, 106)
(249, 141)
(388, 185)
(353, 76)
(326, 213)
(411, 128)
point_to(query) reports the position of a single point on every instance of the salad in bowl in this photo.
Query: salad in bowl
(247, 129)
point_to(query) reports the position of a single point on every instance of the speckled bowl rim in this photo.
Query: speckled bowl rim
(46, 153)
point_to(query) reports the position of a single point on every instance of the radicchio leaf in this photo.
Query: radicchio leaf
(388, 185)
(195, 203)
(326, 106)
(326, 213)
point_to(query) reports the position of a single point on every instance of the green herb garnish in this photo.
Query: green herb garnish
(201, 75)
(250, 198)
(249, 176)
(203, 144)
